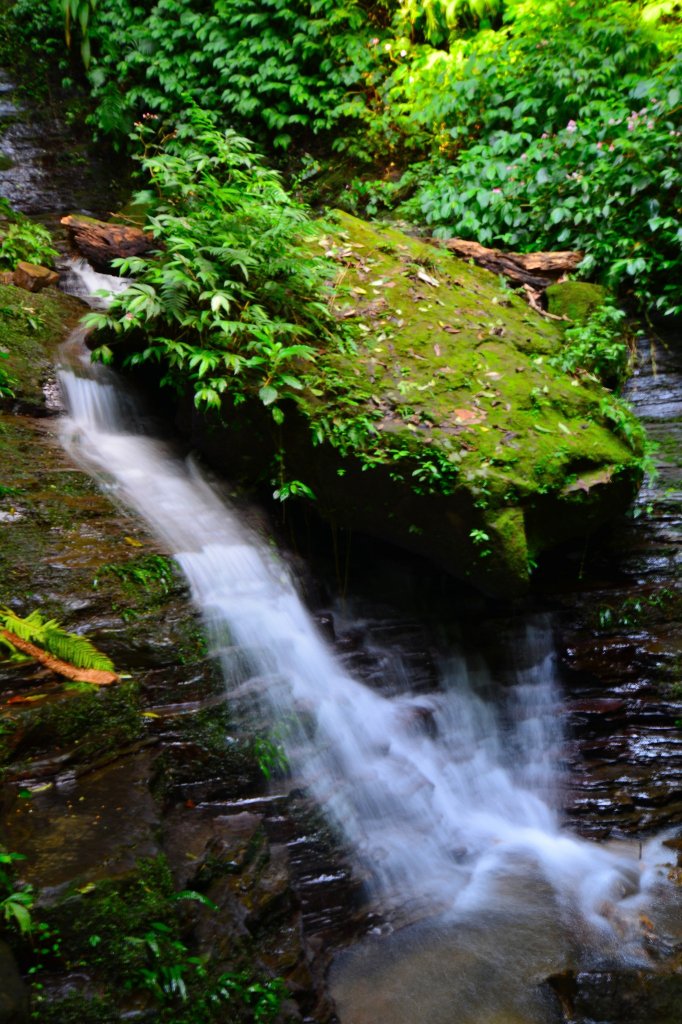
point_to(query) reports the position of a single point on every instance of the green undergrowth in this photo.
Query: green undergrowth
(138, 585)
(130, 934)
(23, 239)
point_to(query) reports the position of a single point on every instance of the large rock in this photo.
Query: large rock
(32, 277)
(445, 429)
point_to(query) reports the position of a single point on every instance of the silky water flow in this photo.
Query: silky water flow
(445, 800)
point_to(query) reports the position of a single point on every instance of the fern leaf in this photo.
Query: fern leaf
(69, 647)
(77, 650)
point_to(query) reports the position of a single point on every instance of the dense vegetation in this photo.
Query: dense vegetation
(525, 124)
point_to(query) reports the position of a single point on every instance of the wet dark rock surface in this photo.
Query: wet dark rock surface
(158, 767)
(43, 171)
(14, 1005)
(632, 996)
(620, 634)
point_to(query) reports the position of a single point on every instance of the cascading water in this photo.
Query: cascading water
(445, 798)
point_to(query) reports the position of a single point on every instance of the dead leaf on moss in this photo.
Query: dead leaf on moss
(470, 415)
(427, 278)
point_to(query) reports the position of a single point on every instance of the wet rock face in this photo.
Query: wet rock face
(620, 632)
(14, 1007)
(626, 996)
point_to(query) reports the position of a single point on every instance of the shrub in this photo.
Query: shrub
(230, 302)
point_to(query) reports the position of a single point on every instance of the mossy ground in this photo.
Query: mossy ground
(449, 391)
(32, 327)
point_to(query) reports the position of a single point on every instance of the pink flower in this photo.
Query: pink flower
(497, 191)
(571, 126)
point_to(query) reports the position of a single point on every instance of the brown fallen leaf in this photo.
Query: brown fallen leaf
(470, 415)
(98, 676)
(29, 698)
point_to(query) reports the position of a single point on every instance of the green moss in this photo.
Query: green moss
(575, 299)
(33, 324)
(96, 925)
(93, 722)
(137, 585)
(75, 1009)
(449, 391)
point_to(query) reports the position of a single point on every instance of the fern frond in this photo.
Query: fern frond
(77, 650)
(69, 647)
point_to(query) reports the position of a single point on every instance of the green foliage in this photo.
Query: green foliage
(597, 346)
(481, 541)
(438, 21)
(7, 381)
(79, 12)
(129, 932)
(230, 302)
(183, 989)
(562, 131)
(49, 635)
(16, 899)
(148, 572)
(26, 240)
(144, 583)
(284, 68)
(32, 42)
(270, 754)
(633, 611)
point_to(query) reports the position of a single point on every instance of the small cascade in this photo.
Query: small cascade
(444, 798)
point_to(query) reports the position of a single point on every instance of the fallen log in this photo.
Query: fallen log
(101, 242)
(537, 269)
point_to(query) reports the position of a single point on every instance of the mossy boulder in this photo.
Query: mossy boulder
(443, 426)
(575, 299)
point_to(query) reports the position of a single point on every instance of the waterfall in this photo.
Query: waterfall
(445, 799)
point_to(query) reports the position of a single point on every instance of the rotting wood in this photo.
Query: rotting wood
(537, 269)
(101, 242)
(100, 677)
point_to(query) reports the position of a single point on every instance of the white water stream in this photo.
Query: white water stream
(445, 799)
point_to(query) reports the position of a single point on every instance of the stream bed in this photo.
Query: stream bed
(497, 781)
(450, 792)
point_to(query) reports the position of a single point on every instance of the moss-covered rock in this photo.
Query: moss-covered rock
(443, 426)
(575, 299)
